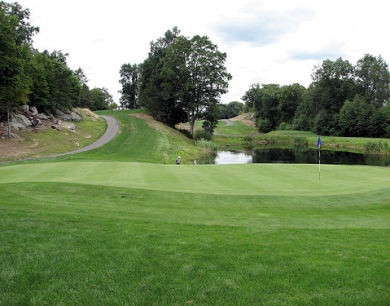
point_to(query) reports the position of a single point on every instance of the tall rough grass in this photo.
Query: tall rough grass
(378, 148)
(206, 145)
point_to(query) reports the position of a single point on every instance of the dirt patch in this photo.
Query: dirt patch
(245, 119)
(88, 114)
(15, 148)
(150, 121)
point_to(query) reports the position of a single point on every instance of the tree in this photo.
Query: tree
(373, 77)
(290, 97)
(162, 107)
(130, 86)
(230, 110)
(100, 99)
(14, 82)
(252, 96)
(334, 83)
(359, 118)
(195, 76)
(64, 85)
(24, 30)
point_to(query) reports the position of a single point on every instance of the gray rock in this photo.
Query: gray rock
(24, 108)
(20, 121)
(67, 115)
(68, 125)
(33, 111)
(43, 116)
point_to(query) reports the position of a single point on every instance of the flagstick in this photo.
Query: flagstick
(319, 163)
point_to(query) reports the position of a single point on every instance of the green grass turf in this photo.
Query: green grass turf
(75, 244)
(108, 228)
(251, 179)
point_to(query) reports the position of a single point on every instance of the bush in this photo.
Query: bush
(284, 126)
(202, 134)
(185, 132)
(300, 141)
(264, 125)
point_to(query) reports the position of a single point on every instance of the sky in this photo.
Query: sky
(266, 41)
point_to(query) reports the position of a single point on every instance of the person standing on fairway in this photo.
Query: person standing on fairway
(178, 160)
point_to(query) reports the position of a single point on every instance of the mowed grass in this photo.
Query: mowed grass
(248, 179)
(93, 230)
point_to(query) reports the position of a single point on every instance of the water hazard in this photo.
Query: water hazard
(295, 156)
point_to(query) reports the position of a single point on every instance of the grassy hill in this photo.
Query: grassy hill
(123, 225)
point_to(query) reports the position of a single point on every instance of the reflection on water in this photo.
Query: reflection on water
(230, 157)
(296, 156)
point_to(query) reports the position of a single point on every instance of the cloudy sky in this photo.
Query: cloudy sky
(266, 41)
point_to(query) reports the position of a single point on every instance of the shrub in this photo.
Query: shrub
(264, 125)
(202, 134)
(284, 126)
(300, 141)
(185, 132)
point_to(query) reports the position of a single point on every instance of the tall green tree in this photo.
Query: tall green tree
(290, 97)
(64, 86)
(265, 99)
(230, 110)
(373, 77)
(100, 99)
(334, 83)
(14, 56)
(130, 75)
(24, 30)
(162, 106)
(195, 76)
(85, 93)
(252, 97)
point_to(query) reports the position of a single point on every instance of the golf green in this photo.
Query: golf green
(248, 179)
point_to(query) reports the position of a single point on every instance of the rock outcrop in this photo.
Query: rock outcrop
(29, 118)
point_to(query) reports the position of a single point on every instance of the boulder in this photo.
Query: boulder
(68, 125)
(20, 121)
(34, 111)
(43, 116)
(68, 115)
(24, 108)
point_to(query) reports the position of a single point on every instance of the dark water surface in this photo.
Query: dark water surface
(295, 156)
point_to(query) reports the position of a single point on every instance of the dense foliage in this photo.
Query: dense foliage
(41, 79)
(342, 100)
(181, 80)
(230, 110)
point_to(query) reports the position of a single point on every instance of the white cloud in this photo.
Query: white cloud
(266, 41)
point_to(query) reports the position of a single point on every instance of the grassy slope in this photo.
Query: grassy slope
(51, 141)
(105, 227)
(143, 139)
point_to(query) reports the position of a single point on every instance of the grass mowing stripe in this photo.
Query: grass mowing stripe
(250, 179)
(77, 244)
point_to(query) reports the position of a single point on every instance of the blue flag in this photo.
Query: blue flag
(319, 142)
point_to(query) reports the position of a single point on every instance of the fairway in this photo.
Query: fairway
(124, 225)
(249, 179)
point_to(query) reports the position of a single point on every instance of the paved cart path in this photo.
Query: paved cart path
(112, 130)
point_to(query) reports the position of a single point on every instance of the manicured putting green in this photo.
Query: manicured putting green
(249, 179)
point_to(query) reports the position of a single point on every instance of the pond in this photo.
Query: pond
(296, 156)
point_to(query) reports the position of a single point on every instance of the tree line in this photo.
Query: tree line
(183, 78)
(342, 100)
(41, 79)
